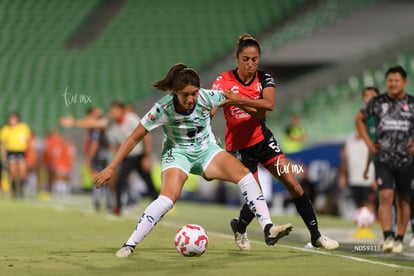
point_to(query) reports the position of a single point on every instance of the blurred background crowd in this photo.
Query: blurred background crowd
(92, 63)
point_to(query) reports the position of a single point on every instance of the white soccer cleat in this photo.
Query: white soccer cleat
(241, 240)
(326, 243)
(125, 251)
(398, 247)
(411, 244)
(388, 245)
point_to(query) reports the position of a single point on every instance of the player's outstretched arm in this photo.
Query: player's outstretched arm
(68, 122)
(136, 136)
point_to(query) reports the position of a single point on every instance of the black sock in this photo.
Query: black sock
(399, 238)
(305, 210)
(388, 234)
(246, 216)
(267, 229)
(132, 246)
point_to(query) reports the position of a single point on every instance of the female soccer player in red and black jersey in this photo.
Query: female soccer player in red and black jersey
(250, 94)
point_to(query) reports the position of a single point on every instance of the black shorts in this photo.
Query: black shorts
(362, 195)
(265, 152)
(390, 178)
(14, 156)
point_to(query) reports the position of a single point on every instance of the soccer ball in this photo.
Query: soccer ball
(364, 218)
(191, 240)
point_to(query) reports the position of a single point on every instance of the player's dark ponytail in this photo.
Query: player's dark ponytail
(178, 77)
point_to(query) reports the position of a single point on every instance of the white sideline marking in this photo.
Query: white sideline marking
(172, 225)
(358, 259)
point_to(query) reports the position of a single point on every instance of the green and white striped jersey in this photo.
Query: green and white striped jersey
(191, 131)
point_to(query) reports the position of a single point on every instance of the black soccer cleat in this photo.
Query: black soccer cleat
(273, 233)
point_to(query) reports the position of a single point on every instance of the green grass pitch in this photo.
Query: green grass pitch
(42, 238)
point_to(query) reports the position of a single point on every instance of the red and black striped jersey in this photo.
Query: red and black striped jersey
(242, 130)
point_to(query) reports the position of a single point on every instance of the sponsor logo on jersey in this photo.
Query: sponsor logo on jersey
(238, 113)
(379, 181)
(384, 108)
(151, 117)
(216, 87)
(401, 125)
(235, 89)
(405, 107)
(170, 158)
(405, 114)
(205, 112)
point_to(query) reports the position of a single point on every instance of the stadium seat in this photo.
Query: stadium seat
(136, 48)
(332, 109)
(319, 15)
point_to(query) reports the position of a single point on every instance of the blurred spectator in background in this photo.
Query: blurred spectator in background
(51, 141)
(96, 154)
(295, 135)
(32, 160)
(393, 153)
(367, 94)
(3, 177)
(411, 244)
(1, 174)
(14, 138)
(63, 157)
(139, 159)
(351, 173)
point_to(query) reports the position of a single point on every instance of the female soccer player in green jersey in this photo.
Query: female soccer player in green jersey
(189, 147)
